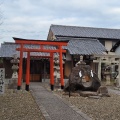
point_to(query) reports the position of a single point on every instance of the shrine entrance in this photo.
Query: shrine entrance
(39, 69)
(50, 47)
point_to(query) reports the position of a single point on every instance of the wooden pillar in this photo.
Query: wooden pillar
(61, 68)
(99, 68)
(20, 68)
(44, 70)
(51, 71)
(28, 71)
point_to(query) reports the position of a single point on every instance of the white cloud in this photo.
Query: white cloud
(32, 18)
(114, 11)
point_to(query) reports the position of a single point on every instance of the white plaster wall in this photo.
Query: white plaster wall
(51, 36)
(108, 45)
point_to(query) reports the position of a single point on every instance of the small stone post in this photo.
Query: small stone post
(99, 69)
(119, 73)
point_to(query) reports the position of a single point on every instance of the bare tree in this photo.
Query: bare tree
(1, 12)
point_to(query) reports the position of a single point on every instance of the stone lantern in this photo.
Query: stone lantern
(107, 74)
(15, 67)
(13, 81)
(57, 69)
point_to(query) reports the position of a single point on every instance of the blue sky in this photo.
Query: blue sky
(32, 18)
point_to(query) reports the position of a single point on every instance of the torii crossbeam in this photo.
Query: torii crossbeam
(42, 43)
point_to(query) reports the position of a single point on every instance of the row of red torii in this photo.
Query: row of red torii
(22, 49)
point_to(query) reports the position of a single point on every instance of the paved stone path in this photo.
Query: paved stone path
(54, 107)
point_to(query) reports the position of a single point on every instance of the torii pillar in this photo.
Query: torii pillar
(20, 68)
(28, 72)
(51, 71)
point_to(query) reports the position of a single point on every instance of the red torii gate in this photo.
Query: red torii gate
(59, 49)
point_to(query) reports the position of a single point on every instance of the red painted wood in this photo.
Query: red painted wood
(41, 49)
(20, 66)
(61, 67)
(38, 42)
(51, 70)
(28, 69)
(40, 56)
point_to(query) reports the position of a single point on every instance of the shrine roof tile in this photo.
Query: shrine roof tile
(85, 47)
(85, 32)
(9, 49)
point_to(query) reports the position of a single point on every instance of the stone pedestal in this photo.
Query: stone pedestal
(107, 76)
(12, 83)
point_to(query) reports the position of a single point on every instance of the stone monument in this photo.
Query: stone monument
(82, 78)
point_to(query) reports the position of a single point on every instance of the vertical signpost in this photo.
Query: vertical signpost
(2, 82)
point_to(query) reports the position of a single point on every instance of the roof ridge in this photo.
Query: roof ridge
(4, 43)
(86, 27)
(77, 38)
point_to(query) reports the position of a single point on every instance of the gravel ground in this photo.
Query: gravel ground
(19, 105)
(22, 106)
(105, 108)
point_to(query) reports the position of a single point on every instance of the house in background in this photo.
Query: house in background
(87, 41)
(108, 37)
